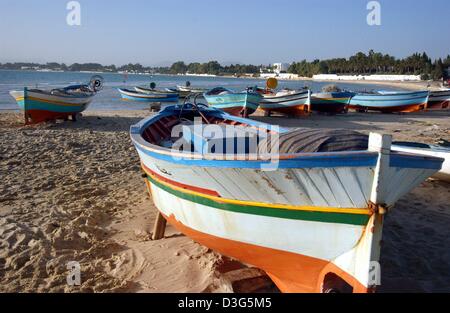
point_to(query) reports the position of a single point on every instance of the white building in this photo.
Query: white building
(280, 67)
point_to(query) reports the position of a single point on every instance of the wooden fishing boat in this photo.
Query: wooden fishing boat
(128, 94)
(290, 102)
(45, 105)
(312, 220)
(153, 91)
(235, 103)
(439, 99)
(191, 90)
(186, 91)
(331, 102)
(182, 94)
(429, 150)
(401, 102)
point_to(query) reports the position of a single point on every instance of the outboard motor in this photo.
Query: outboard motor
(96, 83)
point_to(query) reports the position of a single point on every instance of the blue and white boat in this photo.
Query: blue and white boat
(132, 95)
(390, 102)
(310, 214)
(235, 103)
(289, 102)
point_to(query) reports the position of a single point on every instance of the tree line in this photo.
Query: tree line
(76, 67)
(212, 68)
(358, 64)
(374, 63)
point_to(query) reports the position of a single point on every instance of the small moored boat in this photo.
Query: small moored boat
(235, 103)
(400, 102)
(310, 214)
(128, 94)
(191, 89)
(153, 91)
(439, 99)
(291, 102)
(45, 105)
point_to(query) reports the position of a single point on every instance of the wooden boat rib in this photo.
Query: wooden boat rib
(313, 221)
(147, 97)
(289, 102)
(45, 105)
(439, 99)
(402, 102)
(235, 103)
(331, 102)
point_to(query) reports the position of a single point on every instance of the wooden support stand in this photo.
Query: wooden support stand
(160, 227)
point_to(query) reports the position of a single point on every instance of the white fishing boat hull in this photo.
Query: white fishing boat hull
(291, 102)
(310, 219)
(434, 151)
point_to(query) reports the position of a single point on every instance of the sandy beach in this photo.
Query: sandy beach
(74, 192)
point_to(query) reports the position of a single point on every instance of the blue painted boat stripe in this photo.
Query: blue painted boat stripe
(327, 161)
(419, 162)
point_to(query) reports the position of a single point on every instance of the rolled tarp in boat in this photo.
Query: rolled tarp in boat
(307, 140)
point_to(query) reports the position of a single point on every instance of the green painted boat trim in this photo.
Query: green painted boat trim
(328, 101)
(323, 217)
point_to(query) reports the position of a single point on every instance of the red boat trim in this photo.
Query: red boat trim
(181, 185)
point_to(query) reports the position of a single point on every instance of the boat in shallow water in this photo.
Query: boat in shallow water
(290, 102)
(235, 103)
(331, 102)
(191, 90)
(391, 102)
(45, 105)
(310, 215)
(132, 95)
(439, 99)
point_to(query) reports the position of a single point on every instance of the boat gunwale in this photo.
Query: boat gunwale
(20, 94)
(250, 160)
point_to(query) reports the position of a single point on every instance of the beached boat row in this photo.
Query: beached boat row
(331, 100)
(297, 102)
(42, 105)
(309, 213)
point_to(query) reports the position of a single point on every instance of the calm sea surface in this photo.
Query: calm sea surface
(109, 98)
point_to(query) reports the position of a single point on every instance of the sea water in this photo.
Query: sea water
(110, 99)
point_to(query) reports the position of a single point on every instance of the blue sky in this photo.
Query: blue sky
(159, 32)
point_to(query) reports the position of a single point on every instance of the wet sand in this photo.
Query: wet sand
(74, 192)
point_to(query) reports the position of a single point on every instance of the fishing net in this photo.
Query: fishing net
(305, 140)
